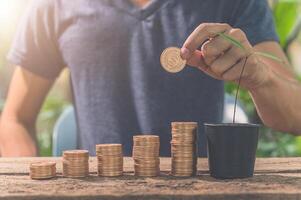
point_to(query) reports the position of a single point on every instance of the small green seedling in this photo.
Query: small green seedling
(239, 45)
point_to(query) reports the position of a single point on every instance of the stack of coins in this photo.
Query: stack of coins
(184, 148)
(42, 170)
(146, 155)
(110, 159)
(76, 163)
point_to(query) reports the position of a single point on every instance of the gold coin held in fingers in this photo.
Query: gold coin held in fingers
(171, 60)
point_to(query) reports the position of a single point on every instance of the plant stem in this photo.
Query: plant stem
(240, 46)
(237, 90)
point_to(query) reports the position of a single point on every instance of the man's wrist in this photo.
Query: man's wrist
(261, 78)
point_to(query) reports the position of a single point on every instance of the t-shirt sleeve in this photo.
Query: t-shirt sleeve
(255, 18)
(35, 46)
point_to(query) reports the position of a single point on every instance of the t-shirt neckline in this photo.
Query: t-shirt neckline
(140, 13)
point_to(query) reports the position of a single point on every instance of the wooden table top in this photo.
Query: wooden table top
(275, 178)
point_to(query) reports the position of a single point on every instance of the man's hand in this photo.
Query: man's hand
(222, 59)
(273, 88)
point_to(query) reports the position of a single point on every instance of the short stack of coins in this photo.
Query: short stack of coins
(76, 163)
(184, 148)
(146, 155)
(42, 170)
(109, 159)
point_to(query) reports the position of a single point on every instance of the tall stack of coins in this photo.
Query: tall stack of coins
(110, 159)
(184, 148)
(42, 170)
(76, 163)
(146, 155)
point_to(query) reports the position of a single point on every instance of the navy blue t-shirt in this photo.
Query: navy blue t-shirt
(112, 49)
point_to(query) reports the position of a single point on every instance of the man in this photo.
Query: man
(112, 49)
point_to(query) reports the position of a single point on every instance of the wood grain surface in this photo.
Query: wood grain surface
(275, 178)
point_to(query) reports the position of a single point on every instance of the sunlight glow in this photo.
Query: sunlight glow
(8, 13)
(7, 8)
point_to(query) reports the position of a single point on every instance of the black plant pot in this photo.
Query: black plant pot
(231, 149)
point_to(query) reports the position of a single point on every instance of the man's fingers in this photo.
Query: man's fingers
(209, 59)
(197, 60)
(234, 72)
(202, 33)
(218, 57)
(216, 46)
(227, 60)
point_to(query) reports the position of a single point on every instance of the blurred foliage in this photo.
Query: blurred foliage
(277, 144)
(1, 104)
(273, 143)
(52, 108)
(285, 25)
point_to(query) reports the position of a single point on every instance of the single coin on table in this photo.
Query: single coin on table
(171, 60)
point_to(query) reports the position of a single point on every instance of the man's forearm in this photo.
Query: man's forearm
(278, 103)
(16, 139)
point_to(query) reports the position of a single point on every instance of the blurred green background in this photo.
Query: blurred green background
(272, 143)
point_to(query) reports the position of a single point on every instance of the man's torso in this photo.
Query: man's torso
(112, 49)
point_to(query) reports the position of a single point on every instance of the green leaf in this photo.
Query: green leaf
(239, 45)
(289, 1)
(232, 40)
(285, 15)
(269, 55)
